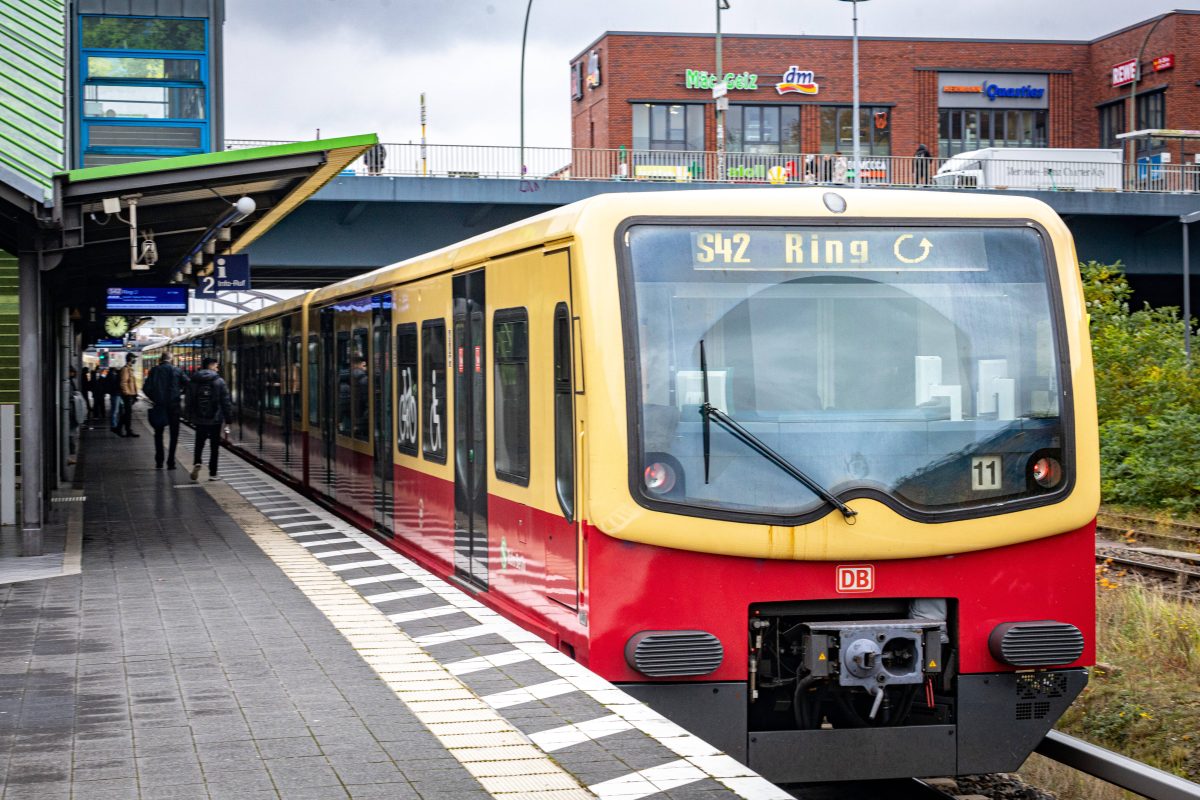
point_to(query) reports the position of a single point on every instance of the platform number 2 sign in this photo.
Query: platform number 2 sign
(985, 473)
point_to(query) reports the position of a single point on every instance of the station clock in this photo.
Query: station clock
(116, 326)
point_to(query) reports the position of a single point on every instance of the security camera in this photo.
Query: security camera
(149, 255)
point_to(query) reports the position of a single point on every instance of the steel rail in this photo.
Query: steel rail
(1110, 530)
(1182, 574)
(1133, 776)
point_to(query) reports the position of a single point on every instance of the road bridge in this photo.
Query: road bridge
(360, 222)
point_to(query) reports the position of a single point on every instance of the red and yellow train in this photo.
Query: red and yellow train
(812, 472)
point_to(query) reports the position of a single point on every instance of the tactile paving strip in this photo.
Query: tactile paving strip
(499, 697)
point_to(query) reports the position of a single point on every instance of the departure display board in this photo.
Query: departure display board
(147, 299)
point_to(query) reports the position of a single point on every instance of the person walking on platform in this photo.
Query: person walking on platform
(99, 378)
(129, 393)
(85, 388)
(209, 409)
(165, 386)
(113, 385)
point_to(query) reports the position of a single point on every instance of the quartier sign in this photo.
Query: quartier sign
(702, 79)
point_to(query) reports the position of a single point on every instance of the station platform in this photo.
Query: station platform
(232, 639)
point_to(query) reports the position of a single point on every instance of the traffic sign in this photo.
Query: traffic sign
(229, 274)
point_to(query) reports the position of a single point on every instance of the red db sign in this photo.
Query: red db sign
(856, 579)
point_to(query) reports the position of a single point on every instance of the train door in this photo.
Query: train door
(323, 468)
(562, 532)
(470, 430)
(381, 366)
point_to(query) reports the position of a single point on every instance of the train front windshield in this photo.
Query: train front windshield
(916, 365)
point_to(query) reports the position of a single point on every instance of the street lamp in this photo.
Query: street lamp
(720, 98)
(524, 33)
(856, 133)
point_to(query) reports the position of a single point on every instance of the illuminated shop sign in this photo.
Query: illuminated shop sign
(972, 90)
(1125, 72)
(702, 79)
(799, 81)
(1163, 62)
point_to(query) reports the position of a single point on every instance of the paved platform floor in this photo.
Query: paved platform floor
(233, 640)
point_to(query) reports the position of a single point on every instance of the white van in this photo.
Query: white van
(1047, 168)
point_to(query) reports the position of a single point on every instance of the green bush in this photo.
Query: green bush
(1147, 397)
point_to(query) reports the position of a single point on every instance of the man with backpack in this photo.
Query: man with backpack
(165, 386)
(209, 409)
(129, 392)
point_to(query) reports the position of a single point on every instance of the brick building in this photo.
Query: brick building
(793, 94)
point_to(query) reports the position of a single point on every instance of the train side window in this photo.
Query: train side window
(433, 389)
(343, 378)
(564, 416)
(360, 386)
(314, 380)
(406, 385)
(510, 335)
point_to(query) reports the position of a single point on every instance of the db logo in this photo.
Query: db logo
(856, 579)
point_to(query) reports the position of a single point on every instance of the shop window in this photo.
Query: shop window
(762, 129)
(1112, 122)
(964, 129)
(1151, 115)
(510, 335)
(661, 126)
(874, 130)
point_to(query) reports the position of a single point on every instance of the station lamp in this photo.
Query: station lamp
(856, 133)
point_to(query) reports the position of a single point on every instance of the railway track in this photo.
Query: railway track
(1181, 535)
(1178, 570)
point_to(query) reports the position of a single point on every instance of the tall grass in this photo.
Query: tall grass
(1143, 699)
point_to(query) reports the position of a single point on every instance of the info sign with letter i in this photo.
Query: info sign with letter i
(228, 274)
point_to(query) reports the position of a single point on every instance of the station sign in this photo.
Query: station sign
(229, 274)
(1125, 73)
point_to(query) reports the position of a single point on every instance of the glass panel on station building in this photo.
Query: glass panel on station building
(151, 77)
(144, 102)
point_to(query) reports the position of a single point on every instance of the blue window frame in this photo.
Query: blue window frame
(137, 98)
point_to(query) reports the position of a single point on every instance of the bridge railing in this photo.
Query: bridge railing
(684, 166)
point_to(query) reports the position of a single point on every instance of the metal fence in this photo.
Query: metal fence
(680, 166)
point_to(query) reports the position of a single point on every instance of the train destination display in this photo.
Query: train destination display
(850, 249)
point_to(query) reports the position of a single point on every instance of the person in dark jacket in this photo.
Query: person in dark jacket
(165, 386)
(99, 381)
(921, 163)
(209, 408)
(112, 384)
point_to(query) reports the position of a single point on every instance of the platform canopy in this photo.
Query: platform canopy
(1160, 133)
(189, 206)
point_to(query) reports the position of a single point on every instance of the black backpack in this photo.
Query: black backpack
(206, 400)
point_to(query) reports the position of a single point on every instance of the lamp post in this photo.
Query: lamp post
(1131, 111)
(720, 100)
(1184, 221)
(524, 33)
(856, 126)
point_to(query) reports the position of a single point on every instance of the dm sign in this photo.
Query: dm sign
(229, 274)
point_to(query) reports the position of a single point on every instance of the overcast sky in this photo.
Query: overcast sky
(359, 66)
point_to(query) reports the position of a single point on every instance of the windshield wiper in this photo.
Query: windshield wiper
(711, 413)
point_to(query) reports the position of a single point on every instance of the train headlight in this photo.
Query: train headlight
(1047, 472)
(659, 477)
